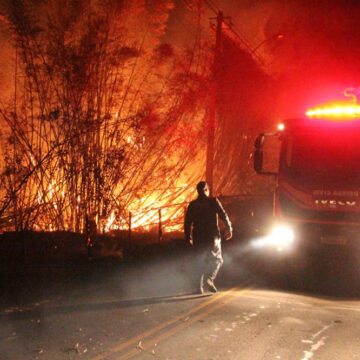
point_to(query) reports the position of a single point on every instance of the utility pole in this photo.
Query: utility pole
(15, 198)
(213, 103)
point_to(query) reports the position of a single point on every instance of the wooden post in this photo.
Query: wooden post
(160, 226)
(185, 209)
(129, 235)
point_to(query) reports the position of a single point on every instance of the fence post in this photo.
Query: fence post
(160, 226)
(129, 235)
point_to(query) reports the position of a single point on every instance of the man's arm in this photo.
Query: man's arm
(187, 224)
(225, 218)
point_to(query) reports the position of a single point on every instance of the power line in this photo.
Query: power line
(240, 36)
(235, 34)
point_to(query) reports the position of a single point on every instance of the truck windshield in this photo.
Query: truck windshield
(322, 158)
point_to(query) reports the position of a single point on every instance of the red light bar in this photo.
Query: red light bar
(335, 111)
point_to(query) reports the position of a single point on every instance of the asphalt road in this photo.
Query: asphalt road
(266, 309)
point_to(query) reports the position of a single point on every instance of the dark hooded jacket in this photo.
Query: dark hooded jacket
(202, 214)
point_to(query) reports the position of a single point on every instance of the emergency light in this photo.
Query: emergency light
(335, 112)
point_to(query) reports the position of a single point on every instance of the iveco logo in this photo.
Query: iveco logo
(335, 202)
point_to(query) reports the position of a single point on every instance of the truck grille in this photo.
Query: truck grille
(292, 210)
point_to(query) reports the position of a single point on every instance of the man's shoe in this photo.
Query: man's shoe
(211, 285)
(201, 287)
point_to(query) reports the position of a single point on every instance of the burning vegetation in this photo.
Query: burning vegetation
(108, 120)
(104, 118)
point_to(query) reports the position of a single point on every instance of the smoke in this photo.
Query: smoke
(315, 57)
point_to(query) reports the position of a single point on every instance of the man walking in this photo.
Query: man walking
(202, 231)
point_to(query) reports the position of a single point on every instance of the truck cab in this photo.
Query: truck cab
(317, 193)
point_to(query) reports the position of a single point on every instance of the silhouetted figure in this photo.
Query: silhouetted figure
(202, 231)
(90, 231)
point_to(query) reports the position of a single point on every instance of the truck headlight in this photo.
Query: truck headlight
(281, 236)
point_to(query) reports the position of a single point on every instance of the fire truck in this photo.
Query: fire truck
(317, 193)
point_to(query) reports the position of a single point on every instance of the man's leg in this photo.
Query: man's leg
(201, 285)
(215, 261)
(199, 266)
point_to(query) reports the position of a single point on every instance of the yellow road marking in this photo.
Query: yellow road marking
(152, 331)
(133, 352)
